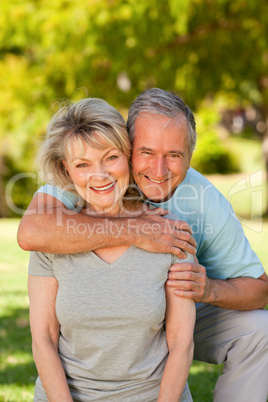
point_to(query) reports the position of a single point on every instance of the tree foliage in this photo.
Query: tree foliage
(115, 49)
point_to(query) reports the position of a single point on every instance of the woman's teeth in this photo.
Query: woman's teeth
(104, 188)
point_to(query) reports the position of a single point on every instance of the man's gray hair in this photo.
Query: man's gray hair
(165, 103)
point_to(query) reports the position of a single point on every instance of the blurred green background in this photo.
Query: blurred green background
(213, 53)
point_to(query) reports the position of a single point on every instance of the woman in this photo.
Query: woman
(97, 318)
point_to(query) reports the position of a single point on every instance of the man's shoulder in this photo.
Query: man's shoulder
(195, 182)
(194, 177)
(199, 196)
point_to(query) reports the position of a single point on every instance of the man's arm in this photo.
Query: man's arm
(242, 293)
(49, 227)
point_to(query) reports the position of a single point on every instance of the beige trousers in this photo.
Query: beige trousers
(239, 339)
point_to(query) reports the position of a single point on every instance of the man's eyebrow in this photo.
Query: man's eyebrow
(177, 152)
(143, 148)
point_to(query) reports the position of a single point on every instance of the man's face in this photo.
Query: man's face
(160, 155)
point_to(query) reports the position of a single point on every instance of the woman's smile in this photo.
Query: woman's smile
(104, 188)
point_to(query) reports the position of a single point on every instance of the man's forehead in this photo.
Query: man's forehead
(160, 134)
(160, 122)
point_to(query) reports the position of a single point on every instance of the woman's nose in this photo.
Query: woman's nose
(99, 172)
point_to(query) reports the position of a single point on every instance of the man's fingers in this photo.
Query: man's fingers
(180, 249)
(164, 235)
(186, 294)
(178, 252)
(188, 280)
(187, 266)
(181, 225)
(157, 211)
(183, 236)
(185, 245)
(184, 285)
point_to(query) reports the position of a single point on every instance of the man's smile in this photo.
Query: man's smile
(156, 181)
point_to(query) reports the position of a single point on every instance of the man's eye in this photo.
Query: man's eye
(174, 155)
(146, 152)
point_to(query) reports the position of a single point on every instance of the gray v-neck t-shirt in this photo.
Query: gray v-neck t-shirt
(112, 340)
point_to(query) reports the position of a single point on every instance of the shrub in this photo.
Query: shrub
(212, 156)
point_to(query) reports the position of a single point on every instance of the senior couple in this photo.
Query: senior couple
(98, 303)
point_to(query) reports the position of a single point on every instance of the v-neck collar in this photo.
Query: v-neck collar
(112, 264)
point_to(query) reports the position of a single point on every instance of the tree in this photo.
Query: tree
(117, 48)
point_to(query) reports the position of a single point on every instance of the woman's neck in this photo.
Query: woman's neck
(118, 211)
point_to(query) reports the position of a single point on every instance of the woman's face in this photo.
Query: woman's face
(100, 176)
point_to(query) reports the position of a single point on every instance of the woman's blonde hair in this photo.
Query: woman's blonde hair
(81, 121)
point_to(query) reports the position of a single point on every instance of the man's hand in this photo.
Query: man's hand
(190, 281)
(153, 233)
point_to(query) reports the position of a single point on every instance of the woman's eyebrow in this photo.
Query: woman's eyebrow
(85, 159)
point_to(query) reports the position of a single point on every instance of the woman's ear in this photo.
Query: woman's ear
(65, 165)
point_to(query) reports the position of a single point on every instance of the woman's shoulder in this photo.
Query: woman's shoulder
(134, 210)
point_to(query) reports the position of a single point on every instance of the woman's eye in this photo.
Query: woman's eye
(81, 165)
(112, 157)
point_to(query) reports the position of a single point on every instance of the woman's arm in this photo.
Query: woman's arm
(180, 321)
(45, 336)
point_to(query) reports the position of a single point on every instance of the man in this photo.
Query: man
(231, 326)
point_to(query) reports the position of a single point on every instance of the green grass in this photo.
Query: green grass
(17, 370)
(248, 152)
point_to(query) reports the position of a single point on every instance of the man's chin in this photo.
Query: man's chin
(154, 192)
(155, 197)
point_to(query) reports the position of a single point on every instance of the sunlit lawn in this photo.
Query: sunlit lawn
(17, 370)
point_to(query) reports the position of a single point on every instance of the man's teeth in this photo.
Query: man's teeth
(157, 181)
(104, 188)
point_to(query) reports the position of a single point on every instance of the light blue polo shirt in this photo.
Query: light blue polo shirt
(222, 246)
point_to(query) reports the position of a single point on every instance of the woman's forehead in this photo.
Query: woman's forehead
(77, 147)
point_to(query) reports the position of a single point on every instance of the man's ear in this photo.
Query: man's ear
(190, 158)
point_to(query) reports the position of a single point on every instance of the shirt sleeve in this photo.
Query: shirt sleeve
(40, 264)
(177, 260)
(225, 251)
(66, 197)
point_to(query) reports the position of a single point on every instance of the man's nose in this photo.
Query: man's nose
(160, 168)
